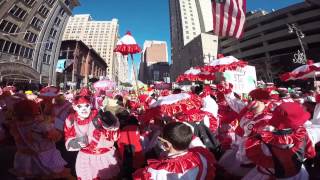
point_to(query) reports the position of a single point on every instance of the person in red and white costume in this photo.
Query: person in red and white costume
(37, 156)
(180, 162)
(280, 149)
(316, 112)
(208, 103)
(227, 116)
(93, 134)
(255, 115)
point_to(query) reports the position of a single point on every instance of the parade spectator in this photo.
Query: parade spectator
(36, 156)
(93, 134)
(180, 161)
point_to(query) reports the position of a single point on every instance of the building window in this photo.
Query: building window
(17, 12)
(6, 46)
(49, 46)
(8, 27)
(50, 2)
(43, 11)
(57, 21)
(61, 11)
(46, 59)
(16, 49)
(156, 75)
(30, 37)
(29, 3)
(27, 53)
(53, 32)
(12, 48)
(37, 23)
(67, 2)
(2, 42)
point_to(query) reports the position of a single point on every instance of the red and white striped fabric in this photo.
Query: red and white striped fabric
(229, 17)
(127, 45)
(195, 75)
(170, 106)
(309, 70)
(223, 64)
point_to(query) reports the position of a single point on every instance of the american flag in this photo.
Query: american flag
(229, 17)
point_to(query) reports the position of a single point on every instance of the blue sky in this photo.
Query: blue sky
(149, 19)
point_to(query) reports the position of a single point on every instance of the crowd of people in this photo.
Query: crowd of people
(207, 132)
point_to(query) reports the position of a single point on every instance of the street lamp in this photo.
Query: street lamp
(299, 57)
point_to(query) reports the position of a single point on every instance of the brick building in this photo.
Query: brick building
(81, 63)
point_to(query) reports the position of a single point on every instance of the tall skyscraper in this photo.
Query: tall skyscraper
(188, 18)
(122, 68)
(30, 38)
(154, 52)
(191, 44)
(154, 62)
(101, 35)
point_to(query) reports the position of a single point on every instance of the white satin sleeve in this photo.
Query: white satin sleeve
(313, 131)
(235, 104)
(316, 115)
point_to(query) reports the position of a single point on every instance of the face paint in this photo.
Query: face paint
(83, 110)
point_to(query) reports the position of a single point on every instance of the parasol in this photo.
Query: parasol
(127, 45)
(195, 74)
(171, 105)
(309, 70)
(104, 85)
(49, 92)
(224, 63)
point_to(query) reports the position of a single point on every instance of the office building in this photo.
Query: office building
(122, 68)
(30, 38)
(267, 43)
(154, 62)
(190, 23)
(80, 64)
(101, 35)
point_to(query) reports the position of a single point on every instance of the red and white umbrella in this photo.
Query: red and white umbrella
(127, 45)
(104, 85)
(49, 92)
(195, 74)
(310, 70)
(224, 63)
(171, 105)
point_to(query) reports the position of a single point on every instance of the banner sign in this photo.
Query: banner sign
(162, 86)
(61, 65)
(243, 79)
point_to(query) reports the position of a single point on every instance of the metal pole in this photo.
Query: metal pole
(134, 74)
(74, 66)
(65, 70)
(301, 44)
(297, 58)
